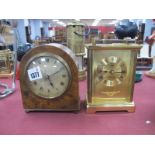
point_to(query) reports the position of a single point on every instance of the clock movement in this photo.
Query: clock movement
(111, 72)
(49, 79)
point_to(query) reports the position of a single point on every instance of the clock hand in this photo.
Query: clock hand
(48, 77)
(57, 71)
(120, 72)
(112, 71)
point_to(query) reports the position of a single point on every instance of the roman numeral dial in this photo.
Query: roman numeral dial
(52, 78)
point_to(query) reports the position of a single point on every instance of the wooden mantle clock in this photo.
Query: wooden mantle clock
(111, 73)
(49, 79)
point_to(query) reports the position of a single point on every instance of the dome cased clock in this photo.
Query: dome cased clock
(111, 72)
(49, 79)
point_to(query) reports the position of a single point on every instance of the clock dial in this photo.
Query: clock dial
(110, 71)
(48, 76)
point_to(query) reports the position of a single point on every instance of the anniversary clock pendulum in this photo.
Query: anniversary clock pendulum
(49, 79)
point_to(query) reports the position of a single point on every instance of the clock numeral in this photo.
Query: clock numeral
(63, 75)
(105, 81)
(100, 77)
(33, 62)
(35, 82)
(121, 77)
(122, 65)
(61, 83)
(99, 68)
(47, 59)
(104, 62)
(114, 59)
(123, 71)
(55, 61)
(109, 83)
(39, 62)
(118, 81)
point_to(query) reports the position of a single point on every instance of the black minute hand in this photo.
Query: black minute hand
(48, 77)
(120, 72)
(57, 71)
(111, 71)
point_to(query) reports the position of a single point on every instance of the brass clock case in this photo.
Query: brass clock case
(49, 79)
(111, 72)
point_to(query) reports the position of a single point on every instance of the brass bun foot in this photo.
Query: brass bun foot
(150, 74)
(130, 107)
(82, 75)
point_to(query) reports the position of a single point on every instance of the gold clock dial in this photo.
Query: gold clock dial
(110, 71)
(48, 76)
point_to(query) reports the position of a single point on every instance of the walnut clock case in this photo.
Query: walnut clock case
(49, 79)
(111, 73)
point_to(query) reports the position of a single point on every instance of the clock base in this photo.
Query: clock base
(129, 107)
(53, 110)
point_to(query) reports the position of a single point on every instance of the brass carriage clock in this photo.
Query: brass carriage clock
(111, 72)
(49, 79)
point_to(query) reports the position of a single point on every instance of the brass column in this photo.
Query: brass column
(75, 41)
